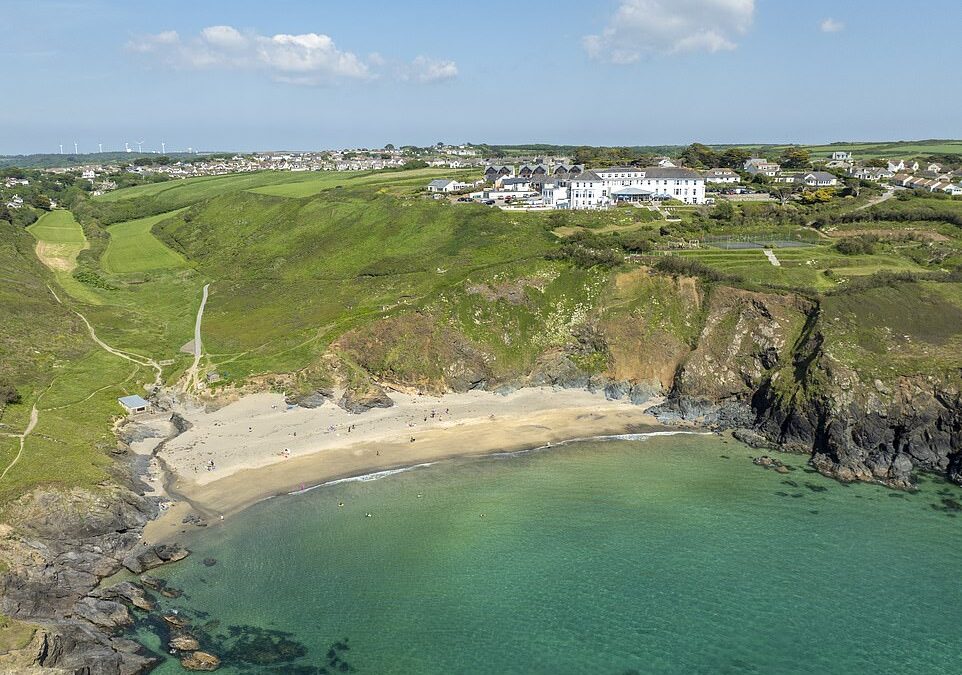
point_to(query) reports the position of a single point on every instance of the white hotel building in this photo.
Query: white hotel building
(601, 188)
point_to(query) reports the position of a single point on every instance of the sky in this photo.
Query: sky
(314, 74)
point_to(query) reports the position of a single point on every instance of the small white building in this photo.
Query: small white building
(874, 173)
(134, 403)
(554, 195)
(816, 179)
(445, 185)
(757, 165)
(722, 176)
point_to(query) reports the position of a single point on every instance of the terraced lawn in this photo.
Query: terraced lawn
(134, 248)
(60, 239)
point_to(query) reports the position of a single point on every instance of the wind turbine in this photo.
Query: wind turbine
(140, 146)
(126, 146)
(75, 148)
(61, 148)
(163, 148)
(100, 147)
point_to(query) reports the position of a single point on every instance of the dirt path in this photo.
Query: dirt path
(190, 379)
(34, 416)
(884, 197)
(770, 254)
(144, 361)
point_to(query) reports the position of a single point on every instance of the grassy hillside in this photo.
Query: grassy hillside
(322, 277)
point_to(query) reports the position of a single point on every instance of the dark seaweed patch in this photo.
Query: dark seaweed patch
(790, 482)
(816, 488)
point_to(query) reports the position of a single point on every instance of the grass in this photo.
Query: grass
(134, 248)
(60, 239)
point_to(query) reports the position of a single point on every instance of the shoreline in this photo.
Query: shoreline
(475, 424)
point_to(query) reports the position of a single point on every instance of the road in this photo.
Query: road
(190, 379)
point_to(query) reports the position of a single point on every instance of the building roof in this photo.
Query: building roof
(515, 181)
(670, 172)
(820, 175)
(630, 190)
(440, 182)
(133, 401)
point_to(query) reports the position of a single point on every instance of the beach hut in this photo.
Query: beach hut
(134, 403)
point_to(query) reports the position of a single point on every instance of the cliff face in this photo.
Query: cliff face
(56, 546)
(861, 419)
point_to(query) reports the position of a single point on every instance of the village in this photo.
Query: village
(558, 183)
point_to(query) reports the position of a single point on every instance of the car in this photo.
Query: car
(464, 199)
(488, 202)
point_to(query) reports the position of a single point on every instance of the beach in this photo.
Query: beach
(259, 446)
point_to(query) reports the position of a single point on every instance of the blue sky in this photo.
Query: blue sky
(304, 74)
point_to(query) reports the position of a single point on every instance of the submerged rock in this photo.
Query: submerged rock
(200, 661)
(771, 463)
(184, 642)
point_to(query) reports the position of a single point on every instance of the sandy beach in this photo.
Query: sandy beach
(259, 446)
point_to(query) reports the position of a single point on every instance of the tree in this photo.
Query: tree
(389, 146)
(783, 191)
(734, 158)
(819, 196)
(40, 201)
(699, 155)
(796, 158)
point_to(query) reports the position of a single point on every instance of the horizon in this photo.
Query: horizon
(237, 75)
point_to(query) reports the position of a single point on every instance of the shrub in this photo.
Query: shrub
(8, 394)
(677, 265)
(860, 245)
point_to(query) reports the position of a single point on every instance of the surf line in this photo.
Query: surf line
(377, 475)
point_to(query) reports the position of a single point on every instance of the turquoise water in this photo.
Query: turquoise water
(663, 555)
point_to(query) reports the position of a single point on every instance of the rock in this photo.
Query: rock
(125, 592)
(210, 562)
(361, 400)
(771, 463)
(104, 613)
(175, 620)
(313, 400)
(154, 556)
(751, 438)
(200, 661)
(184, 642)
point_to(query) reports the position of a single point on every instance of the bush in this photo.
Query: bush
(860, 245)
(8, 394)
(677, 265)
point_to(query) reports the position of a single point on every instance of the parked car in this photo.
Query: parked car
(464, 199)
(488, 202)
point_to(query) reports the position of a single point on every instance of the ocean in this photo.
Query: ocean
(652, 555)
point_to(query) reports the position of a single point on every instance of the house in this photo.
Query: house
(841, 156)
(722, 176)
(927, 184)
(816, 179)
(516, 184)
(89, 174)
(601, 188)
(15, 202)
(445, 185)
(565, 171)
(554, 195)
(897, 166)
(664, 162)
(934, 168)
(134, 403)
(757, 165)
(493, 172)
(532, 170)
(875, 173)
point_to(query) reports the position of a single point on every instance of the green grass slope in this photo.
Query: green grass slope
(134, 248)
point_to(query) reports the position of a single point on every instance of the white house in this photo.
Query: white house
(875, 173)
(841, 156)
(896, 166)
(445, 185)
(516, 184)
(816, 179)
(757, 165)
(664, 162)
(601, 188)
(15, 202)
(554, 195)
(722, 176)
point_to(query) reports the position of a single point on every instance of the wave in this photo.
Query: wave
(377, 475)
(363, 478)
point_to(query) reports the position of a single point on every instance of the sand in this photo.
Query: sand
(260, 446)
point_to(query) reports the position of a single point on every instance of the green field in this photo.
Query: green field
(133, 248)
(60, 239)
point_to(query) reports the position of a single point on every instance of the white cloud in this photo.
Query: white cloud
(309, 58)
(428, 71)
(830, 25)
(641, 27)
